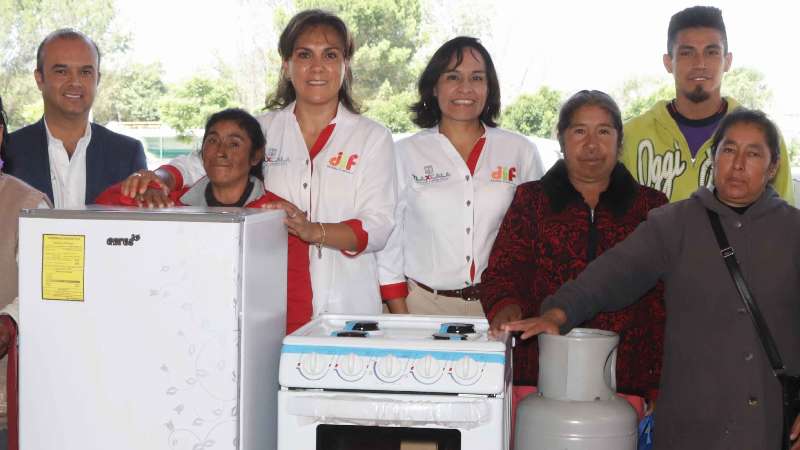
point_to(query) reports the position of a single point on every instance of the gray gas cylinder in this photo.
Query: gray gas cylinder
(576, 407)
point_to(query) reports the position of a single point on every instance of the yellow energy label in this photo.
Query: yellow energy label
(63, 262)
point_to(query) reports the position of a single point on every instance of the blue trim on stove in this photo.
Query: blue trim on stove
(492, 358)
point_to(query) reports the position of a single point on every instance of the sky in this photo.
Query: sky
(567, 45)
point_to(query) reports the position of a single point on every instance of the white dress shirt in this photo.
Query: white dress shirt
(352, 177)
(447, 218)
(68, 175)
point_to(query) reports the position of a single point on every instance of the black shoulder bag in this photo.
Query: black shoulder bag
(790, 384)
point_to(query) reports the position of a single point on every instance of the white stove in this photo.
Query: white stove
(352, 381)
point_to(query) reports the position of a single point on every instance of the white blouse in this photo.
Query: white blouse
(446, 217)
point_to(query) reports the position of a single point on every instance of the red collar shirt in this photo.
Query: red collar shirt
(449, 211)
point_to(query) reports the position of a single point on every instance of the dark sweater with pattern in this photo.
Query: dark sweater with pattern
(548, 236)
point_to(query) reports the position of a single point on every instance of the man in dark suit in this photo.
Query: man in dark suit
(63, 155)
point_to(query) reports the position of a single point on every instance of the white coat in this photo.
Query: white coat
(446, 217)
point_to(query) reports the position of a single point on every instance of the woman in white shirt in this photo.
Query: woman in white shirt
(334, 167)
(456, 179)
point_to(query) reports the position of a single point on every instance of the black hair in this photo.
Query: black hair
(696, 17)
(593, 98)
(4, 122)
(285, 93)
(426, 111)
(753, 117)
(64, 33)
(249, 124)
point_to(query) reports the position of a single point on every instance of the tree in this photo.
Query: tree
(638, 95)
(748, 87)
(446, 19)
(131, 94)
(26, 22)
(534, 114)
(392, 110)
(793, 148)
(188, 105)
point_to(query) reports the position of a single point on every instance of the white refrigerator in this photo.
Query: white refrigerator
(150, 329)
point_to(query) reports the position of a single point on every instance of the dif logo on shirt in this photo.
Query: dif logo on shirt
(504, 174)
(343, 162)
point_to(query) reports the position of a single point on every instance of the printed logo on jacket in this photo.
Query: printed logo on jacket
(659, 170)
(504, 174)
(272, 158)
(343, 162)
(430, 176)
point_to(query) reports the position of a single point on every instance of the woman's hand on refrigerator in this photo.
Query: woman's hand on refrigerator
(138, 182)
(153, 198)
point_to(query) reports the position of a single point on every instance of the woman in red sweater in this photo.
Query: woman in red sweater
(583, 206)
(232, 152)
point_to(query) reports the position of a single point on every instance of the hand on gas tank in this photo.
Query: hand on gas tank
(509, 313)
(549, 323)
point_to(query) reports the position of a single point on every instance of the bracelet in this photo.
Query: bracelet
(321, 241)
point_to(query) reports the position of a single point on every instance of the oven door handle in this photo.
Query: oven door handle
(452, 412)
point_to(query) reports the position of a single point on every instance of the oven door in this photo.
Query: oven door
(315, 420)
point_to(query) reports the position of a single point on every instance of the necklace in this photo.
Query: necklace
(723, 105)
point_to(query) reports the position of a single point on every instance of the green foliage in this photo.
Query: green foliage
(131, 94)
(188, 105)
(534, 114)
(387, 34)
(638, 95)
(793, 148)
(748, 87)
(25, 23)
(391, 109)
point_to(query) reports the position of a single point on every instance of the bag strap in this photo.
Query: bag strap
(729, 255)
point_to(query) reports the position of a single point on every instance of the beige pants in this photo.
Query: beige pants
(420, 301)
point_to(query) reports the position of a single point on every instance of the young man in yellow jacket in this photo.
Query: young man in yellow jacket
(668, 147)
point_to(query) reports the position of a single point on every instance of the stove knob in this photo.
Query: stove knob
(352, 367)
(314, 366)
(390, 368)
(466, 371)
(428, 370)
